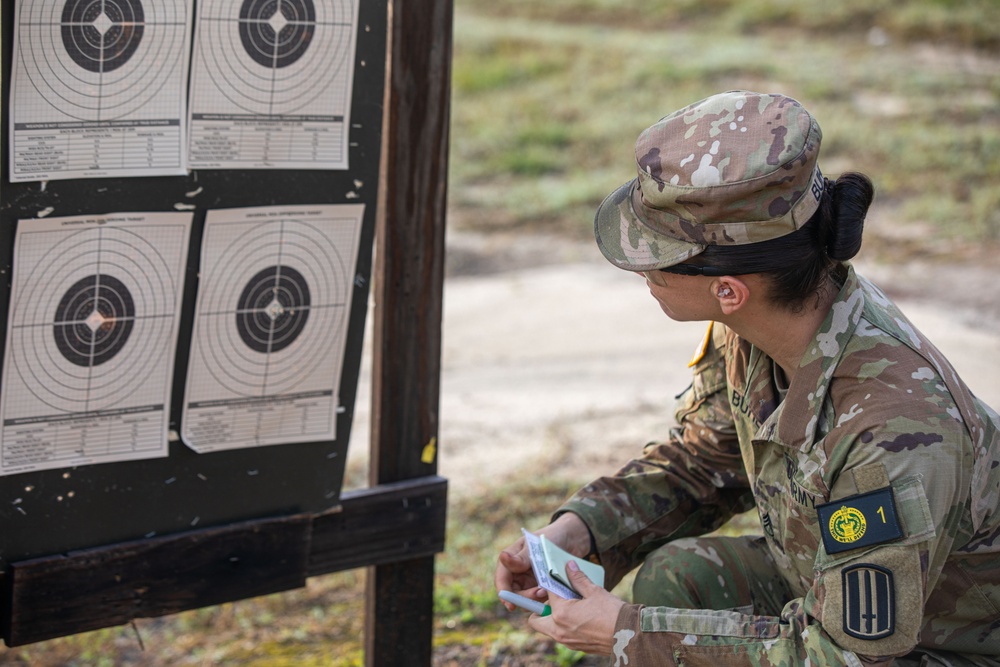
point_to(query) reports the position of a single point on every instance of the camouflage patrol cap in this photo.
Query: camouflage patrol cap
(732, 169)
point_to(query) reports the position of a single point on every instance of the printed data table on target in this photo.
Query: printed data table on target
(218, 140)
(96, 149)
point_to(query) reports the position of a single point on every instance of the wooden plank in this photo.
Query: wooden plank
(410, 233)
(95, 588)
(407, 327)
(389, 523)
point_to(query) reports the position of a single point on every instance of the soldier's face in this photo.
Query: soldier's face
(682, 298)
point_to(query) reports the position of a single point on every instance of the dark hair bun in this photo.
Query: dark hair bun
(852, 195)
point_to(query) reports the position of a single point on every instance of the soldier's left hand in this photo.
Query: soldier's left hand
(587, 624)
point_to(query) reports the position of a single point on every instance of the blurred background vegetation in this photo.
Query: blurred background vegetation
(548, 97)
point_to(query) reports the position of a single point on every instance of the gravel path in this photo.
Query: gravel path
(554, 362)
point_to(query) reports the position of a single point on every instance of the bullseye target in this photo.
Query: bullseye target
(274, 57)
(101, 59)
(276, 33)
(102, 35)
(269, 304)
(273, 309)
(93, 320)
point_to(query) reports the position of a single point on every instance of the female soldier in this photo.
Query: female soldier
(874, 470)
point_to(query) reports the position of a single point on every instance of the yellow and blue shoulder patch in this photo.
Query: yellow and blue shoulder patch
(859, 521)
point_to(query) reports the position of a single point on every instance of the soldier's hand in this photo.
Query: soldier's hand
(587, 624)
(514, 571)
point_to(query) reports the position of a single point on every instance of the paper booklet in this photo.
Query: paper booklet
(549, 565)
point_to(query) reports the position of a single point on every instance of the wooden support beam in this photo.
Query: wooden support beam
(385, 524)
(408, 307)
(409, 281)
(50, 597)
(96, 588)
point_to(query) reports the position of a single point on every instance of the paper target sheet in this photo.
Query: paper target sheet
(88, 365)
(271, 84)
(270, 325)
(99, 88)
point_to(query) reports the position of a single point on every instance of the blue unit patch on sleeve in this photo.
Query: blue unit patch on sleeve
(869, 601)
(859, 521)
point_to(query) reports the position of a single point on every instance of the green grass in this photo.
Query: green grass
(549, 96)
(962, 23)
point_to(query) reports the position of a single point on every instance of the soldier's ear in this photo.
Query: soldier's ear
(731, 292)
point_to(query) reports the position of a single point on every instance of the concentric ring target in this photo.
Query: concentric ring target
(275, 57)
(102, 59)
(273, 309)
(276, 33)
(93, 320)
(102, 35)
(268, 306)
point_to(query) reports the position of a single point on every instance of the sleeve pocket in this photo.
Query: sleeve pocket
(695, 655)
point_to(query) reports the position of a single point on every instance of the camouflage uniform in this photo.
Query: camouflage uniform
(876, 476)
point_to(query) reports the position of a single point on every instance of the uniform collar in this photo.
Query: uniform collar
(795, 421)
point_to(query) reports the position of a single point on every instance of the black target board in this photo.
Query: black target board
(90, 312)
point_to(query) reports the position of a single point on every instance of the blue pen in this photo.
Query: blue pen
(534, 606)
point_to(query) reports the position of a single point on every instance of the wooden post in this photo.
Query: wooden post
(408, 307)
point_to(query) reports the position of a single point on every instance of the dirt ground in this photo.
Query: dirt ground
(554, 362)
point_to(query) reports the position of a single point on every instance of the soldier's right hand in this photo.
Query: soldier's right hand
(514, 572)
